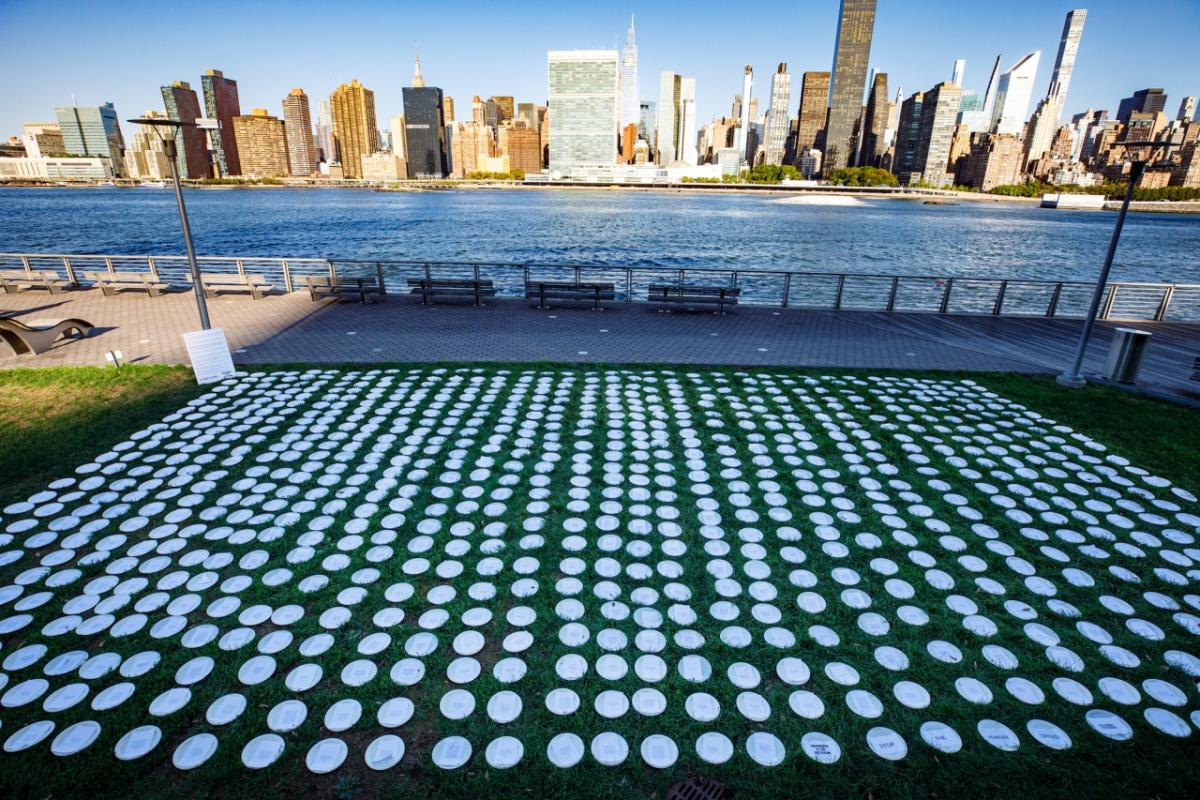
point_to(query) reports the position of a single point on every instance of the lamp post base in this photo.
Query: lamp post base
(1071, 381)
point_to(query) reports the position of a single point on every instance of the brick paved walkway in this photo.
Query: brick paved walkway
(291, 328)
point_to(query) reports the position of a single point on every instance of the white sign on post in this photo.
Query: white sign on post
(209, 353)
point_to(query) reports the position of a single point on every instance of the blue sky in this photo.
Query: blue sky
(124, 52)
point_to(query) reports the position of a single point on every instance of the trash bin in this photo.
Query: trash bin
(1125, 354)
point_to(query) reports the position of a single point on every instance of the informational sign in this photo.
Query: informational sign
(209, 354)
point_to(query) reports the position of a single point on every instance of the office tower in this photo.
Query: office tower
(424, 129)
(1187, 109)
(399, 146)
(908, 129)
(939, 115)
(875, 123)
(667, 127)
(191, 145)
(646, 120)
(325, 140)
(1146, 101)
(93, 131)
(43, 140)
(221, 103)
(262, 145)
(739, 136)
(1049, 111)
(630, 96)
(146, 158)
(418, 81)
(297, 122)
(685, 145)
(960, 68)
(448, 109)
(519, 141)
(778, 117)
(856, 21)
(1012, 96)
(989, 95)
(355, 132)
(584, 100)
(505, 109)
(814, 106)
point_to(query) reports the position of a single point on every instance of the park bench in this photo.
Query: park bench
(213, 283)
(429, 288)
(14, 280)
(571, 291)
(325, 286)
(112, 283)
(694, 295)
(39, 335)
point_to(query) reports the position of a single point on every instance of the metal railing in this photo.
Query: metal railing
(943, 294)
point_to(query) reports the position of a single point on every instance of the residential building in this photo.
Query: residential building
(685, 145)
(471, 144)
(628, 140)
(498, 110)
(630, 96)
(778, 116)
(297, 124)
(995, 160)
(221, 104)
(355, 131)
(939, 115)
(399, 146)
(326, 143)
(856, 23)
(667, 126)
(1013, 94)
(94, 132)
(447, 109)
(146, 157)
(908, 129)
(1045, 120)
(745, 115)
(1188, 172)
(1145, 101)
(478, 111)
(520, 142)
(383, 167)
(43, 140)
(960, 69)
(584, 112)
(873, 142)
(262, 145)
(529, 113)
(641, 152)
(989, 95)
(1187, 109)
(191, 143)
(814, 108)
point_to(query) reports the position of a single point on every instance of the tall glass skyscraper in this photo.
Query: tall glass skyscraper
(779, 120)
(630, 98)
(425, 128)
(584, 112)
(1013, 94)
(191, 149)
(93, 131)
(856, 24)
(221, 103)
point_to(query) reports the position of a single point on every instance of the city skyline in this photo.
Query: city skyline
(665, 43)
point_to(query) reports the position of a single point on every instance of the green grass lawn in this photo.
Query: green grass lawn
(53, 420)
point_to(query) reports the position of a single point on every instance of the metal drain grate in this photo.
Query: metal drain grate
(697, 789)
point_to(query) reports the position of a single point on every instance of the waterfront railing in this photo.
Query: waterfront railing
(939, 294)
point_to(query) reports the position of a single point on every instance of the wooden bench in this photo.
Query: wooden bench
(214, 283)
(38, 335)
(112, 283)
(429, 288)
(14, 280)
(325, 286)
(570, 290)
(694, 295)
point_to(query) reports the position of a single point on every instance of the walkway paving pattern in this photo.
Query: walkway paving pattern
(292, 329)
(458, 566)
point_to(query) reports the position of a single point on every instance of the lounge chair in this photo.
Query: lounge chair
(39, 335)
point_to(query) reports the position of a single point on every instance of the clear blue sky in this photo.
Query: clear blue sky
(123, 52)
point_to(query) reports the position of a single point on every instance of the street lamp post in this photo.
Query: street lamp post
(158, 125)
(1073, 378)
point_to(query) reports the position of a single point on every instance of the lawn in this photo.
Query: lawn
(817, 557)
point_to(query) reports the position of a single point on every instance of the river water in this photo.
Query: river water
(632, 228)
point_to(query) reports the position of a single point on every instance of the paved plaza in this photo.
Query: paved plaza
(435, 571)
(292, 329)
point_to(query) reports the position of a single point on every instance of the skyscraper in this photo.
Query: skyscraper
(1143, 101)
(814, 108)
(424, 128)
(856, 22)
(1012, 95)
(960, 68)
(354, 129)
(325, 141)
(584, 108)
(93, 131)
(505, 109)
(939, 115)
(448, 109)
(297, 121)
(685, 144)
(875, 122)
(630, 96)
(1049, 111)
(647, 120)
(740, 136)
(191, 147)
(262, 144)
(908, 129)
(146, 156)
(667, 127)
(989, 95)
(778, 116)
(1187, 109)
(221, 103)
